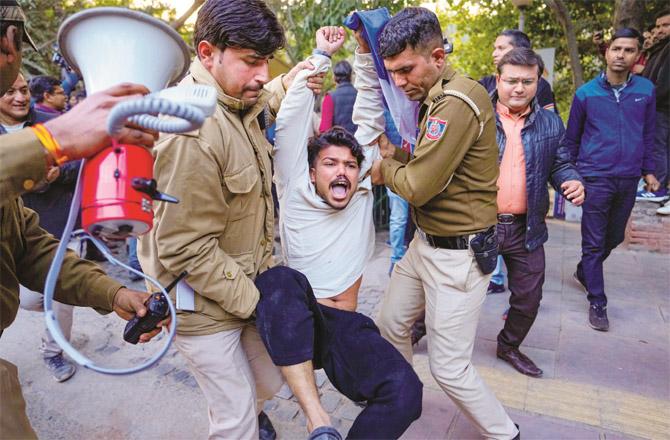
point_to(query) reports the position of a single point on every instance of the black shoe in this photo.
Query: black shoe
(598, 318)
(519, 361)
(518, 436)
(495, 288)
(265, 429)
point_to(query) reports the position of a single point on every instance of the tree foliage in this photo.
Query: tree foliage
(45, 17)
(473, 25)
(302, 18)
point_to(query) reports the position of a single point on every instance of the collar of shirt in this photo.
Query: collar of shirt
(438, 87)
(619, 88)
(202, 75)
(503, 111)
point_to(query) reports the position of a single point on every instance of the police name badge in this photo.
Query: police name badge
(435, 128)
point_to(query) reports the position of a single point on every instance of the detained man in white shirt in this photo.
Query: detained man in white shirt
(306, 315)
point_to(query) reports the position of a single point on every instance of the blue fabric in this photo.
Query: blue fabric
(132, 252)
(547, 160)
(360, 363)
(373, 23)
(404, 112)
(605, 213)
(390, 128)
(498, 276)
(397, 222)
(613, 137)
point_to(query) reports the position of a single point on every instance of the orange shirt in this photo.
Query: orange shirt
(512, 179)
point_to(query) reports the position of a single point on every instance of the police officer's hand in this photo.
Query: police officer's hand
(128, 303)
(376, 173)
(329, 39)
(82, 131)
(573, 190)
(386, 148)
(314, 82)
(652, 183)
(362, 44)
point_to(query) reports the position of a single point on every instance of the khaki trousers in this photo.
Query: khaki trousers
(14, 423)
(236, 374)
(452, 289)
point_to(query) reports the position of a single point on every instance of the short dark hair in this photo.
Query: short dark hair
(522, 56)
(517, 38)
(662, 14)
(628, 33)
(335, 136)
(246, 24)
(413, 27)
(342, 71)
(41, 84)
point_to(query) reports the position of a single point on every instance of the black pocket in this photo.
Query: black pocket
(485, 248)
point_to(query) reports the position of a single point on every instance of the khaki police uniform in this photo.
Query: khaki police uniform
(222, 233)
(26, 253)
(451, 184)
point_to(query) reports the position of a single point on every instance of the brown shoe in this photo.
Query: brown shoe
(519, 361)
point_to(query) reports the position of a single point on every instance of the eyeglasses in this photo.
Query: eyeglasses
(513, 82)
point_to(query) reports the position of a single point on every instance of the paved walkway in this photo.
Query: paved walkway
(613, 385)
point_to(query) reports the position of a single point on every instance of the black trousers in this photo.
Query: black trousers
(347, 345)
(525, 277)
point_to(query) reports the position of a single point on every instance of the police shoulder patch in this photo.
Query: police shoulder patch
(435, 128)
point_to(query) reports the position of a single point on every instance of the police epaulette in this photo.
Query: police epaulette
(465, 98)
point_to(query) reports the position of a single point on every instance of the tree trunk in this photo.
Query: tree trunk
(563, 16)
(628, 13)
(181, 20)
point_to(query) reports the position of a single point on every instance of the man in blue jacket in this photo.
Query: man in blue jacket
(530, 155)
(610, 136)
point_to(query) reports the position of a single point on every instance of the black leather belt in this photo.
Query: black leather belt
(508, 219)
(458, 242)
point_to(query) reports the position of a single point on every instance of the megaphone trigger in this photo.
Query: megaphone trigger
(148, 186)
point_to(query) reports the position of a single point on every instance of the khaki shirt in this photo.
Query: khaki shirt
(26, 250)
(222, 229)
(451, 179)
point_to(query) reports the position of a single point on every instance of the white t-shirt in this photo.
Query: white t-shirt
(329, 246)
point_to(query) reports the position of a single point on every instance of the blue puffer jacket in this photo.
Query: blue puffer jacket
(546, 161)
(610, 136)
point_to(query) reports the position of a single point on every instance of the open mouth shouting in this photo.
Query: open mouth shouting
(339, 189)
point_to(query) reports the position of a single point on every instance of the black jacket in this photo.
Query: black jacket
(546, 161)
(657, 70)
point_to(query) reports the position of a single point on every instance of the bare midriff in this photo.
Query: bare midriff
(347, 300)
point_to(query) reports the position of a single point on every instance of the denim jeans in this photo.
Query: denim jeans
(397, 221)
(360, 363)
(498, 276)
(608, 204)
(132, 252)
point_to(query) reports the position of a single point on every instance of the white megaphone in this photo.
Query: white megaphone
(109, 46)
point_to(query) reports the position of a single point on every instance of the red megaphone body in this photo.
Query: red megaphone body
(118, 190)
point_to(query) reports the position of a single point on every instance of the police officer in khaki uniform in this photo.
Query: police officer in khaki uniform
(451, 184)
(26, 250)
